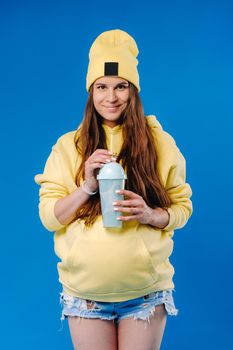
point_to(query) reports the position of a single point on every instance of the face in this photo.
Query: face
(110, 97)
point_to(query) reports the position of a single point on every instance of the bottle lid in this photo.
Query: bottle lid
(111, 170)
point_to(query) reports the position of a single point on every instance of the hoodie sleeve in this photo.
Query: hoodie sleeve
(172, 166)
(52, 188)
(179, 192)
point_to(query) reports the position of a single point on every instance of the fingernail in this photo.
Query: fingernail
(113, 159)
(115, 208)
(110, 152)
(118, 218)
(118, 191)
(107, 160)
(114, 203)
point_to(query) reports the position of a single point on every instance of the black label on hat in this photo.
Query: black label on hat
(111, 68)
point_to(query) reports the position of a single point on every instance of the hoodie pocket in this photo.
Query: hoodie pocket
(107, 265)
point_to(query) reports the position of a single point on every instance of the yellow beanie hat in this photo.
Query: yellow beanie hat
(113, 53)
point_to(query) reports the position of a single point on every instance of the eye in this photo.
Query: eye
(101, 87)
(122, 87)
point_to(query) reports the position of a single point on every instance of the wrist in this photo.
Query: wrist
(85, 187)
(161, 218)
(166, 218)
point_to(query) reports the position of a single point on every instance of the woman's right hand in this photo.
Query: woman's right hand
(95, 162)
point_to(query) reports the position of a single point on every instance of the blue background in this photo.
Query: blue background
(185, 66)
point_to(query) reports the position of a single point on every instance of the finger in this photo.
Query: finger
(129, 203)
(101, 159)
(92, 168)
(127, 218)
(103, 152)
(128, 193)
(135, 211)
(92, 164)
(97, 165)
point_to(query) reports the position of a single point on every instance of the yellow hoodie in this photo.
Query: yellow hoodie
(112, 264)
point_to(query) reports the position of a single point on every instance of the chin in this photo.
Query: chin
(113, 115)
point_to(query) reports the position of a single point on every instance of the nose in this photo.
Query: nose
(111, 96)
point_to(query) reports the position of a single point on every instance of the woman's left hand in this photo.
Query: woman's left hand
(137, 209)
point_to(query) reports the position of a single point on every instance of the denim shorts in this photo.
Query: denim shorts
(139, 308)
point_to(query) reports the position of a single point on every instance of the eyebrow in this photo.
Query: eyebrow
(122, 83)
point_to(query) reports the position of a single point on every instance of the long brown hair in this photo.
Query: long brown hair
(139, 159)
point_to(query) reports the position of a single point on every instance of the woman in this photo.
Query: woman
(117, 283)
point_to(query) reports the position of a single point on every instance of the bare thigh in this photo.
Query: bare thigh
(134, 335)
(92, 334)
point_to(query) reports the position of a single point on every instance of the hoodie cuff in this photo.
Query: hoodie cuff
(172, 219)
(48, 217)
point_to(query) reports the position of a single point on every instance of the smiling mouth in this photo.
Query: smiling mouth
(112, 108)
